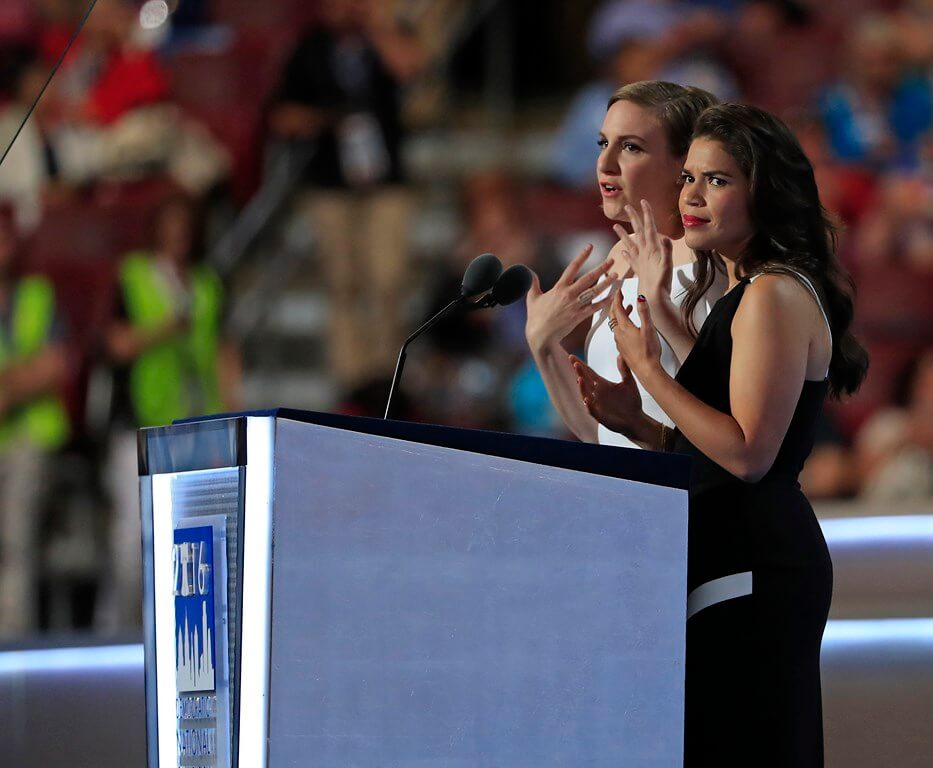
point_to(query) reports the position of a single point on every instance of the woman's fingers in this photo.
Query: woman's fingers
(592, 277)
(584, 387)
(535, 289)
(619, 312)
(624, 370)
(604, 302)
(636, 221)
(598, 289)
(625, 237)
(582, 370)
(651, 229)
(579, 368)
(588, 380)
(574, 266)
(644, 312)
(615, 307)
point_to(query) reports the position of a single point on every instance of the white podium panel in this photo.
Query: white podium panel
(435, 607)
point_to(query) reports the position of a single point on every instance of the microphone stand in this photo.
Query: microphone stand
(455, 304)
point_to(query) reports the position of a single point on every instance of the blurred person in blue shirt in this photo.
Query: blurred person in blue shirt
(879, 115)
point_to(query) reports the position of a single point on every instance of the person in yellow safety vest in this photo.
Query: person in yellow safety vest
(170, 362)
(33, 425)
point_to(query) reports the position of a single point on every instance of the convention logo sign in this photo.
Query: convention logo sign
(193, 568)
(197, 670)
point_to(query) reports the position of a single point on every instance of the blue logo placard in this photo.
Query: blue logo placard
(193, 567)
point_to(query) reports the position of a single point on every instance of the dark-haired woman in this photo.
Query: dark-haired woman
(745, 404)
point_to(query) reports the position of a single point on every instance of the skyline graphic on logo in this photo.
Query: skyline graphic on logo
(193, 561)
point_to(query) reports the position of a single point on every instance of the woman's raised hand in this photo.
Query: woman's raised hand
(615, 406)
(639, 348)
(553, 314)
(648, 252)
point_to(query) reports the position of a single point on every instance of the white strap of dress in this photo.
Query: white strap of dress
(806, 281)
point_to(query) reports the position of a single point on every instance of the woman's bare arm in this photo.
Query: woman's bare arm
(771, 333)
(553, 316)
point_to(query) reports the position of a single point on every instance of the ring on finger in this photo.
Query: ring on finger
(586, 296)
(613, 323)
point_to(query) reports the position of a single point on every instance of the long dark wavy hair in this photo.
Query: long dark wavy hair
(792, 230)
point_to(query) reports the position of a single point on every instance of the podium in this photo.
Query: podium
(332, 591)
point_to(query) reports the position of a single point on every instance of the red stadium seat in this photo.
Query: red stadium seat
(894, 321)
(888, 360)
(248, 14)
(557, 211)
(17, 22)
(130, 207)
(243, 73)
(893, 302)
(81, 231)
(228, 91)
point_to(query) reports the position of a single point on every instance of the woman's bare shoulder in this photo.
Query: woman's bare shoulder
(778, 288)
(775, 299)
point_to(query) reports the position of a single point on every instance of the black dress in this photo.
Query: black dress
(759, 584)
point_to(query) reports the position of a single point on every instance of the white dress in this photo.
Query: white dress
(601, 350)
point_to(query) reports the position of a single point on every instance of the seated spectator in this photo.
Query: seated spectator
(33, 426)
(898, 229)
(113, 117)
(895, 447)
(847, 191)
(878, 115)
(130, 76)
(16, 22)
(914, 22)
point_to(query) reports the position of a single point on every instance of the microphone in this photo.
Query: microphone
(481, 274)
(512, 285)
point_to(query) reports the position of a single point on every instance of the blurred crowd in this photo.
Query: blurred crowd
(113, 316)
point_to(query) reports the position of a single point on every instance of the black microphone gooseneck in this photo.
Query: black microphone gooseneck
(481, 274)
(455, 304)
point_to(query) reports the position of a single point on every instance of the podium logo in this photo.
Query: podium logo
(192, 571)
(192, 561)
